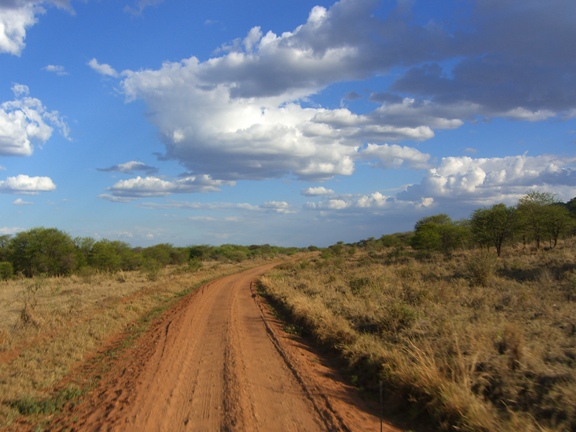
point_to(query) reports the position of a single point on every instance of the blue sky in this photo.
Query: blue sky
(288, 122)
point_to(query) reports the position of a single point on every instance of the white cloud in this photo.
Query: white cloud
(395, 156)
(114, 198)
(25, 121)
(278, 206)
(13, 25)
(493, 179)
(24, 184)
(374, 200)
(140, 187)
(185, 205)
(21, 202)
(16, 16)
(317, 191)
(57, 69)
(130, 167)
(331, 204)
(103, 68)
(9, 230)
(141, 5)
(239, 116)
(246, 112)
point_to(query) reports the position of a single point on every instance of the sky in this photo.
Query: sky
(282, 122)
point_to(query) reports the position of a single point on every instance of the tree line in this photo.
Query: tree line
(52, 252)
(538, 219)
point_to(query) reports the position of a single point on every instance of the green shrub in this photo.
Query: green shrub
(6, 270)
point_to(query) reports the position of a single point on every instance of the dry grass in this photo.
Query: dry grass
(47, 326)
(473, 342)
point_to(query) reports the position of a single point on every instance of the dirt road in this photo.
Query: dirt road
(218, 361)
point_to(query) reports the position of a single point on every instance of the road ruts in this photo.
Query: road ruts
(214, 363)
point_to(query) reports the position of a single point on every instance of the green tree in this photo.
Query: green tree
(114, 256)
(43, 251)
(558, 222)
(6, 270)
(200, 252)
(493, 226)
(540, 217)
(571, 206)
(438, 233)
(4, 247)
(160, 253)
(84, 248)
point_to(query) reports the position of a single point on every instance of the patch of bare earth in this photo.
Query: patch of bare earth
(219, 361)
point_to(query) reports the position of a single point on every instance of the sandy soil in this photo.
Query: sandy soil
(218, 361)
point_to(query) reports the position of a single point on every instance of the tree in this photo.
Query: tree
(438, 233)
(84, 247)
(492, 226)
(532, 213)
(541, 217)
(558, 221)
(114, 256)
(160, 253)
(43, 251)
(4, 247)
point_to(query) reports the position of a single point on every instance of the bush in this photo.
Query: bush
(6, 270)
(480, 268)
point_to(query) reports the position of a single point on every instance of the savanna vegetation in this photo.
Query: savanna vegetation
(65, 300)
(467, 325)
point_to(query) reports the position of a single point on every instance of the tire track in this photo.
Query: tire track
(215, 362)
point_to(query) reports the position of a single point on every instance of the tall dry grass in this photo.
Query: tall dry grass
(50, 325)
(473, 342)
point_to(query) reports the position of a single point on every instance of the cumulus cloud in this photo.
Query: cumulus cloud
(130, 167)
(277, 207)
(317, 191)
(16, 16)
(211, 130)
(140, 187)
(13, 25)
(395, 156)
(492, 179)
(375, 200)
(103, 68)
(25, 121)
(460, 185)
(23, 184)
(244, 113)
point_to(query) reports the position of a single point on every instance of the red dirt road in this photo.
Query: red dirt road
(218, 361)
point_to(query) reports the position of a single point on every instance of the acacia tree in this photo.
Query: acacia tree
(541, 217)
(493, 226)
(532, 214)
(558, 222)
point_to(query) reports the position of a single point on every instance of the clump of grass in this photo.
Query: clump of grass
(481, 268)
(46, 405)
